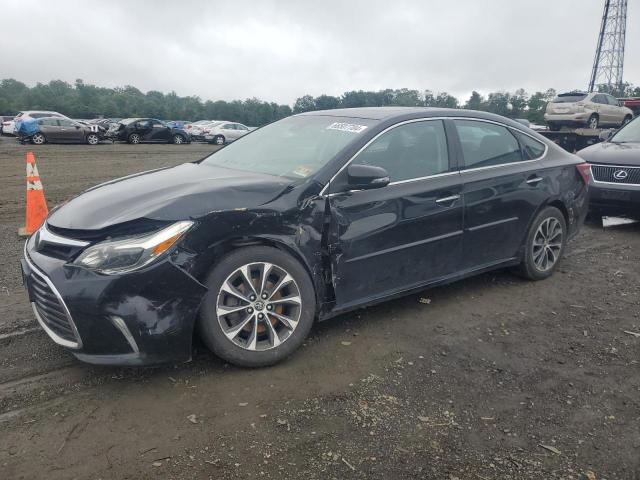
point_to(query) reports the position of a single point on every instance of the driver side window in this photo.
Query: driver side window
(409, 151)
(486, 144)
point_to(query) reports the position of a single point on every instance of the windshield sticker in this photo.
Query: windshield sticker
(347, 127)
(303, 171)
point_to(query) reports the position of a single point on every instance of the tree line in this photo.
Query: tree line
(82, 100)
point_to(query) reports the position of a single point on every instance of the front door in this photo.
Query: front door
(502, 186)
(70, 131)
(160, 132)
(404, 235)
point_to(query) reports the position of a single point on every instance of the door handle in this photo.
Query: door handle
(449, 199)
(534, 180)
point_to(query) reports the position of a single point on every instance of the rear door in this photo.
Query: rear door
(50, 129)
(502, 185)
(405, 234)
(602, 108)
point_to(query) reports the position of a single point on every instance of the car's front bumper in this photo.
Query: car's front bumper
(141, 318)
(615, 199)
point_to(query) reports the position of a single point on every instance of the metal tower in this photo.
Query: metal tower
(609, 60)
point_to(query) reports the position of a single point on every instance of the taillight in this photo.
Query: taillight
(584, 169)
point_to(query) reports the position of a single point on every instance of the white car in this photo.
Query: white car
(225, 132)
(7, 125)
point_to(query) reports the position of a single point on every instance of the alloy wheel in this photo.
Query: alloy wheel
(547, 244)
(259, 306)
(593, 122)
(38, 139)
(92, 139)
(135, 138)
(177, 139)
(219, 140)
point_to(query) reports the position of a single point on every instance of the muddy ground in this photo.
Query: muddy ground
(489, 378)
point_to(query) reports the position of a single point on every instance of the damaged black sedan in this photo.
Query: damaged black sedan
(303, 219)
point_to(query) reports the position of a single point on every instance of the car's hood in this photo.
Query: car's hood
(612, 153)
(186, 191)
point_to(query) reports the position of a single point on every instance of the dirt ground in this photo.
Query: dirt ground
(489, 378)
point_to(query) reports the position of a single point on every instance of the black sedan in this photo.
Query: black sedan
(615, 164)
(298, 221)
(148, 130)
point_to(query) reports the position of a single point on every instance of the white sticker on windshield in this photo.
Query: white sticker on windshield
(347, 127)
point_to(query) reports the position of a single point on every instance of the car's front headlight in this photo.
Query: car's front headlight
(126, 254)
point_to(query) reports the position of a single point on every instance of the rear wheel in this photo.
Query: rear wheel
(92, 139)
(626, 120)
(219, 140)
(178, 139)
(259, 308)
(134, 138)
(38, 139)
(544, 245)
(593, 121)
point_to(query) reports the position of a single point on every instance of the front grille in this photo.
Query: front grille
(611, 174)
(50, 308)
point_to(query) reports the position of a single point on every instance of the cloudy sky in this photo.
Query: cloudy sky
(280, 50)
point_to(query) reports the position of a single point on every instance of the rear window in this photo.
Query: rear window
(569, 97)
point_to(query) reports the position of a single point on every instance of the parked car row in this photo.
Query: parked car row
(40, 127)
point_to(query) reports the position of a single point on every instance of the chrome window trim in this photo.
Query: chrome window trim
(55, 337)
(323, 192)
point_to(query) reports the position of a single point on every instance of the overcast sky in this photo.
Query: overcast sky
(280, 50)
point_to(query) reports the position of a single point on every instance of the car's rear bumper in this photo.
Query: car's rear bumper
(140, 318)
(567, 118)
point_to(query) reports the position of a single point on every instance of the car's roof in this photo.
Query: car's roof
(391, 113)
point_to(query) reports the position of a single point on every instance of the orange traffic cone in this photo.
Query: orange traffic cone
(37, 210)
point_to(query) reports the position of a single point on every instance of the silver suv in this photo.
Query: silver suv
(592, 110)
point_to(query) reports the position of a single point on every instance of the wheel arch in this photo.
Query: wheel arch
(223, 248)
(551, 202)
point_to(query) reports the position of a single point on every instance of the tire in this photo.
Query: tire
(38, 139)
(92, 139)
(593, 122)
(178, 139)
(626, 120)
(134, 138)
(533, 264)
(241, 346)
(219, 139)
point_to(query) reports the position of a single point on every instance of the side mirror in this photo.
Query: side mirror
(367, 177)
(605, 135)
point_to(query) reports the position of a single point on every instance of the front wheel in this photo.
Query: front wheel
(134, 138)
(92, 139)
(38, 139)
(259, 308)
(593, 122)
(178, 139)
(219, 140)
(544, 245)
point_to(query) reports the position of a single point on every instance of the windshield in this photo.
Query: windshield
(629, 133)
(569, 97)
(295, 147)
